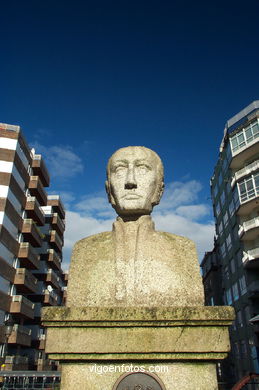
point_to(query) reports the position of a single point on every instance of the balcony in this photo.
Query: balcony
(16, 363)
(31, 233)
(39, 169)
(247, 170)
(65, 276)
(50, 298)
(21, 307)
(20, 335)
(53, 259)
(58, 224)
(248, 201)
(24, 281)
(28, 258)
(39, 342)
(249, 230)
(55, 202)
(36, 189)
(42, 341)
(251, 258)
(240, 156)
(52, 279)
(55, 240)
(33, 210)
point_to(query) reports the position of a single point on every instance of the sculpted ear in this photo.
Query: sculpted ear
(158, 193)
(108, 191)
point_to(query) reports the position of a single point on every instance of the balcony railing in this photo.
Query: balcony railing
(39, 168)
(16, 359)
(25, 281)
(31, 233)
(33, 210)
(50, 298)
(52, 278)
(55, 240)
(28, 258)
(58, 223)
(20, 335)
(248, 169)
(36, 189)
(53, 259)
(55, 202)
(21, 307)
(251, 258)
(247, 227)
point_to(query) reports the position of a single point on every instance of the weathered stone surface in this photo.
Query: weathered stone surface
(161, 269)
(184, 376)
(138, 333)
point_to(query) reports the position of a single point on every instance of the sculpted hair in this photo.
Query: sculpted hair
(160, 174)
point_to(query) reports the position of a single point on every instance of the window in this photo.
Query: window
(249, 188)
(211, 301)
(239, 319)
(236, 198)
(222, 198)
(228, 187)
(243, 349)
(247, 314)
(235, 291)
(245, 136)
(220, 228)
(225, 164)
(231, 208)
(223, 250)
(226, 272)
(229, 242)
(215, 191)
(220, 179)
(236, 350)
(229, 296)
(238, 141)
(242, 285)
(217, 209)
(232, 266)
(239, 257)
(225, 219)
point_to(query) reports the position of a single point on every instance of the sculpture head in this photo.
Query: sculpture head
(135, 181)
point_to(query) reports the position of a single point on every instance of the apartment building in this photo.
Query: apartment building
(231, 270)
(31, 240)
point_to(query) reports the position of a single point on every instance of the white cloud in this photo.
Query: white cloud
(179, 193)
(61, 160)
(79, 226)
(179, 212)
(95, 205)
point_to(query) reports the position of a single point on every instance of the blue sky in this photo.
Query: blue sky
(83, 78)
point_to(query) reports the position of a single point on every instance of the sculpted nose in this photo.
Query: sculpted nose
(130, 180)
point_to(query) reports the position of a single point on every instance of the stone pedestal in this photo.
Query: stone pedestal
(178, 345)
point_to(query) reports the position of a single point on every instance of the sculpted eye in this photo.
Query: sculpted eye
(142, 168)
(120, 169)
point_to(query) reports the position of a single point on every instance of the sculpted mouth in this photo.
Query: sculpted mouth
(131, 196)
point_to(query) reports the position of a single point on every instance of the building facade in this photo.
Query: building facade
(31, 240)
(235, 278)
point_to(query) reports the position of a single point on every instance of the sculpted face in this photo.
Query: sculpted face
(135, 180)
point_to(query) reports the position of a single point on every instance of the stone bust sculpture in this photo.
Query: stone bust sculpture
(134, 265)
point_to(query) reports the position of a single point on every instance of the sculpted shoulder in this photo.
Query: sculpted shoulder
(177, 242)
(96, 242)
